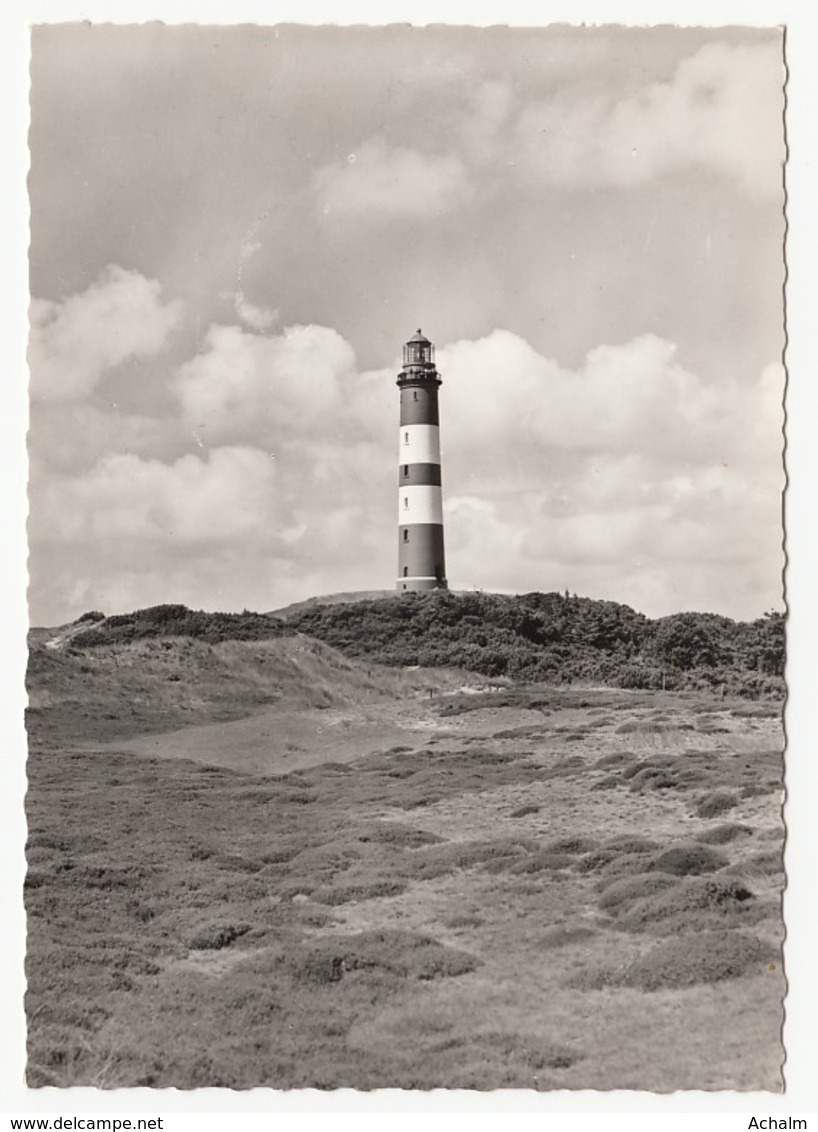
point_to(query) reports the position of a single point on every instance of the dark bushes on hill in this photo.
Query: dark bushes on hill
(552, 637)
(179, 621)
(531, 637)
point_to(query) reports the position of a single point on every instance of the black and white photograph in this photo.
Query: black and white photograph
(406, 662)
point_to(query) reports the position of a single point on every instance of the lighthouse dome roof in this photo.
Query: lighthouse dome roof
(419, 336)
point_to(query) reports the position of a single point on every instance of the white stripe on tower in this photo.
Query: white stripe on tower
(420, 444)
(422, 503)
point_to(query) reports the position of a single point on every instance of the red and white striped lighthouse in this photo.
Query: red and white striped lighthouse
(421, 561)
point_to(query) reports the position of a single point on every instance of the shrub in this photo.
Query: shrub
(688, 860)
(615, 758)
(179, 621)
(722, 834)
(622, 893)
(216, 936)
(398, 953)
(538, 862)
(716, 803)
(524, 811)
(349, 893)
(546, 637)
(685, 961)
(698, 894)
(632, 843)
(571, 845)
(399, 835)
(706, 957)
(622, 855)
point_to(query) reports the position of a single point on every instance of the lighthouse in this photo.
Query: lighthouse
(421, 561)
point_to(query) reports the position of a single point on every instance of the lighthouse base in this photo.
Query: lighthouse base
(420, 585)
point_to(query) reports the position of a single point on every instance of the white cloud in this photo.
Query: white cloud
(75, 341)
(722, 110)
(257, 318)
(630, 478)
(385, 181)
(275, 391)
(516, 400)
(229, 495)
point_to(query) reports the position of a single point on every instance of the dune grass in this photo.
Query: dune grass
(459, 910)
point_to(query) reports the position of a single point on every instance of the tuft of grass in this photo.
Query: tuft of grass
(615, 758)
(632, 843)
(607, 783)
(688, 860)
(654, 778)
(463, 920)
(349, 893)
(722, 834)
(407, 955)
(631, 769)
(619, 895)
(626, 853)
(717, 803)
(650, 727)
(540, 862)
(439, 860)
(571, 846)
(108, 877)
(399, 835)
(524, 811)
(682, 902)
(686, 961)
(216, 936)
(706, 957)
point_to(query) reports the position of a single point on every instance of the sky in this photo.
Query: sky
(233, 231)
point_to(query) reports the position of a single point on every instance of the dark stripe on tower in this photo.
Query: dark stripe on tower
(414, 475)
(418, 405)
(421, 550)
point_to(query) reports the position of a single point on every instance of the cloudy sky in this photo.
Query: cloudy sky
(234, 230)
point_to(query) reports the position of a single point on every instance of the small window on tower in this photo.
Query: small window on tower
(406, 469)
(405, 502)
(414, 395)
(405, 573)
(405, 535)
(406, 438)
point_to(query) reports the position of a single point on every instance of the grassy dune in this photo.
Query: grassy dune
(534, 888)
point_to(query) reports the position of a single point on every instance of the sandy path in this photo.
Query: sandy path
(276, 742)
